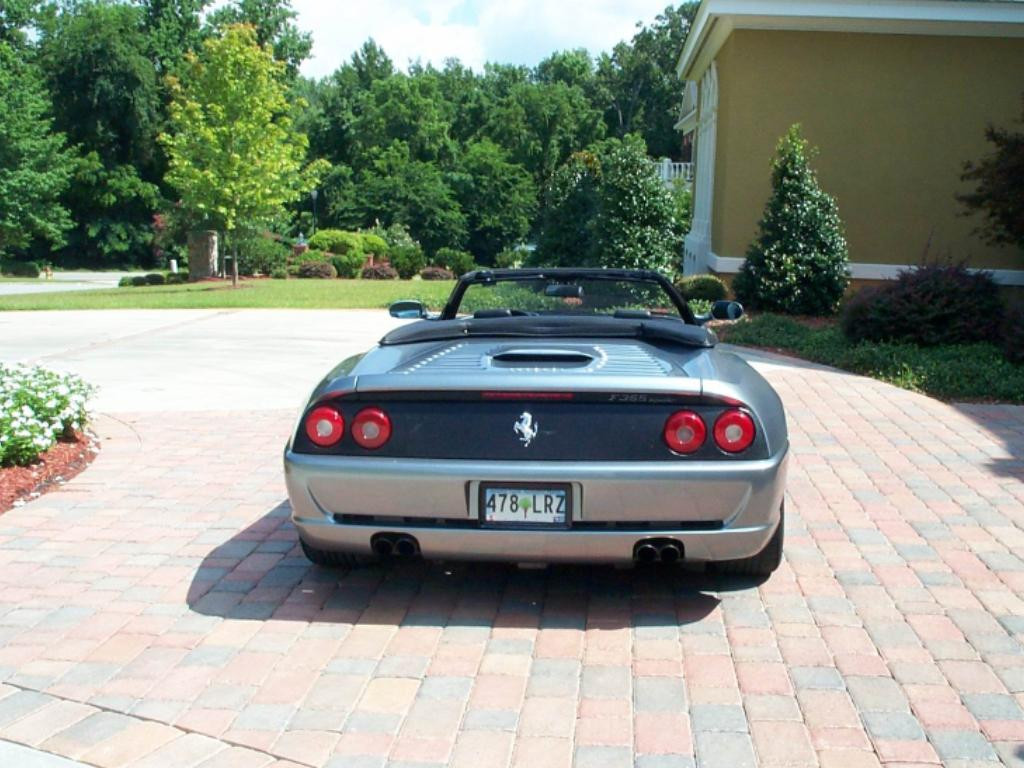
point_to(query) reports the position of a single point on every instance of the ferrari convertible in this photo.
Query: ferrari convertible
(544, 415)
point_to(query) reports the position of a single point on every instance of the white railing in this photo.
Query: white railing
(668, 171)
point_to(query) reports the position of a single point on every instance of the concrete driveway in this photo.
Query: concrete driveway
(156, 611)
(65, 281)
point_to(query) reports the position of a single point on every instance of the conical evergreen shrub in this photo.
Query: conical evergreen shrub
(797, 264)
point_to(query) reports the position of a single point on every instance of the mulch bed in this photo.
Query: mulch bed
(58, 465)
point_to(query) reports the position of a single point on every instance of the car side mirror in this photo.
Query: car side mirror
(727, 310)
(408, 309)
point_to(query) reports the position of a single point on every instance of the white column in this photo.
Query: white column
(698, 243)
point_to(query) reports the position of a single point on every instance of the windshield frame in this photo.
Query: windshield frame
(494, 276)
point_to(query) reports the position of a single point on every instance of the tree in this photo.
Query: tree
(798, 263)
(234, 154)
(34, 165)
(498, 198)
(608, 208)
(106, 100)
(173, 29)
(639, 90)
(274, 24)
(399, 189)
(999, 191)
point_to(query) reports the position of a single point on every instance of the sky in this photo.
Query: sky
(474, 31)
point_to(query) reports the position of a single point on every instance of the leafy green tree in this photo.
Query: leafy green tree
(498, 197)
(395, 188)
(608, 208)
(107, 102)
(636, 227)
(798, 263)
(638, 85)
(173, 28)
(274, 25)
(34, 165)
(999, 190)
(235, 156)
(15, 16)
(567, 218)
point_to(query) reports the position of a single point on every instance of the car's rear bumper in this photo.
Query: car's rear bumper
(718, 510)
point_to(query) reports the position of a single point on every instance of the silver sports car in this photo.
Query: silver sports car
(544, 415)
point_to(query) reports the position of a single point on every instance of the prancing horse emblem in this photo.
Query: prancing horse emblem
(526, 428)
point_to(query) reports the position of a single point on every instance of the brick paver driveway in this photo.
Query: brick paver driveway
(157, 612)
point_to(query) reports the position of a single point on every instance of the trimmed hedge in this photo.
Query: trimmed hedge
(459, 262)
(407, 260)
(703, 287)
(348, 265)
(317, 269)
(436, 273)
(380, 272)
(336, 241)
(1013, 334)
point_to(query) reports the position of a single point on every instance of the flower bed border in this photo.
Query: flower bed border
(59, 464)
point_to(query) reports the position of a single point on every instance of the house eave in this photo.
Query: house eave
(716, 19)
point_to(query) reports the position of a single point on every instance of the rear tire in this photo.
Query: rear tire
(764, 563)
(327, 559)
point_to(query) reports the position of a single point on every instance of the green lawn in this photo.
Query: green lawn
(950, 372)
(276, 294)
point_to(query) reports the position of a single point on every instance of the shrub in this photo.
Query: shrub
(407, 260)
(261, 254)
(380, 272)
(279, 273)
(347, 265)
(139, 280)
(459, 262)
(155, 278)
(952, 371)
(375, 244)
(511, 258)
(797, 265)
(703, 287)
(125, 282)
(19, 268)
(317, 269)
(174, 278)
(1013, 335)
(436, 273)
(933, 304)
(37, 407)
(336, 241)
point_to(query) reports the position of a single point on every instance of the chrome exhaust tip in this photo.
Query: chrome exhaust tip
(670, 553)
(646, 553)
(406, 546)
(383, 546)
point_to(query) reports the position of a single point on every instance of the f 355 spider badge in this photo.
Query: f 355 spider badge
(526, 428)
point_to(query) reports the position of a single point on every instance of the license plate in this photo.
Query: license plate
(525, 506)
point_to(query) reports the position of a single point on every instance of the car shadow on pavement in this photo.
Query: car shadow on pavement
(261, 574)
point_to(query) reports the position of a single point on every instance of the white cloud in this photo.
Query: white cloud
(474, 31)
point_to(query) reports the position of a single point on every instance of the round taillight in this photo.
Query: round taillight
(325, 426)
(685, 432)
(371, 428)
(734, 431)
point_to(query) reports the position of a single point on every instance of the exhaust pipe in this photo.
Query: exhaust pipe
(646, 553)
(383, 545)
(670, 553)
(406, 546)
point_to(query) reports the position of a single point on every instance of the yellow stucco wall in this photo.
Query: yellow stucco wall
(894, 117)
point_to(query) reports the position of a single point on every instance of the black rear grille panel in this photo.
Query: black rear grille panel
(565, 431)
(389, 521)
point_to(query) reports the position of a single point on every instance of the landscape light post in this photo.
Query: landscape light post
(314, 194)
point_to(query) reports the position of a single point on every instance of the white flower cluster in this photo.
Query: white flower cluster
(37, 407)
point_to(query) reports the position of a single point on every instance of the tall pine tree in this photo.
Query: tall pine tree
(797, 264)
